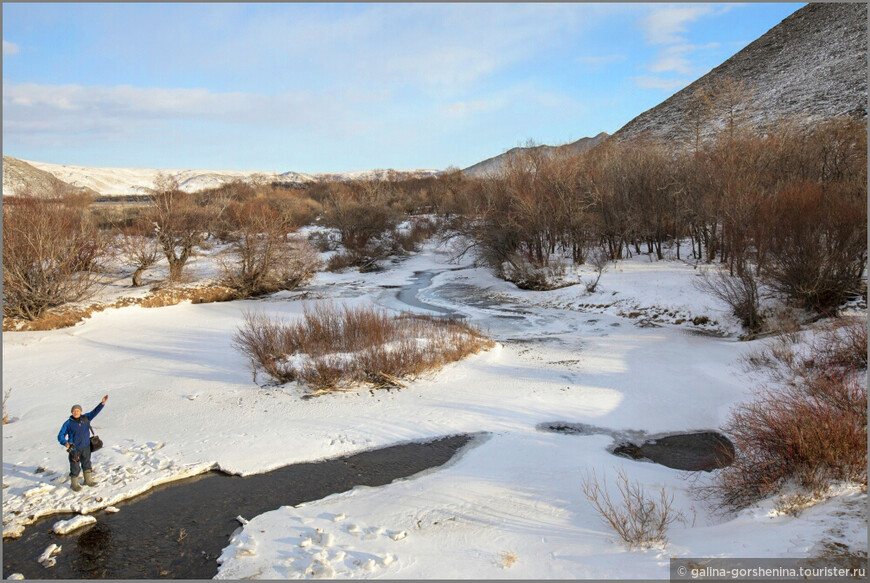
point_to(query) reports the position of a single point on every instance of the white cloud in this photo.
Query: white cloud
(668, 25)
(9, 48)
(676, 58)
(97, 111)
(650, 82)
(430, 47)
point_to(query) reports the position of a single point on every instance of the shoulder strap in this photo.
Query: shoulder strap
(88, 421)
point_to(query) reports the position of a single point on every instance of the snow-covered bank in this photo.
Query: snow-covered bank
(517, 495)
(182, 400)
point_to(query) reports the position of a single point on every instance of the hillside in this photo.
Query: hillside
(497, 163)
(131, 181)
(813, 63)
(20, 178)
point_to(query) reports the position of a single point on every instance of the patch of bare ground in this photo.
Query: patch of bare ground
(70, 315)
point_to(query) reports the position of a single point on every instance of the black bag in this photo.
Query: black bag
(96, 442)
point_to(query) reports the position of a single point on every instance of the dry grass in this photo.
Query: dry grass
(332, 348)
(6, 398)
(794, 504)
(66, 316)
(638, 519)
(507, 559)
(811, 426)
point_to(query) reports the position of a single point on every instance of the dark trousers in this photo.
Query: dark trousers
(79, 459)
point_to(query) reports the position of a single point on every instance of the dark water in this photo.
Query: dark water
(700, 451)
(691, 451)
(178, 530)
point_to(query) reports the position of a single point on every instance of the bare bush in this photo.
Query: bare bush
(811, 427)
(359, 215)
(421, 228)
(331, 348)
(527, 275)
(599, 262)
(265, 257)
(739, 291)
(51, 256)
(818, 246)
(139, 252)
(639, 520)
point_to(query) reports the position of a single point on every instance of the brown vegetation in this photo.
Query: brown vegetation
(639, 520)
(265, 258)
(811, 426)
(6, 394)
(51, 255)
(70, 315)
(331, 348)
(181, 223)
(139, 251)
(786, 209)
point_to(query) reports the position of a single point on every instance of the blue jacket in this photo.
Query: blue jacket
(76, 431)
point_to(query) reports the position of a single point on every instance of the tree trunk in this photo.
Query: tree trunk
(137, 276)
(175, 268)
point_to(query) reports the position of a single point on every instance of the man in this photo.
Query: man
(75, 436)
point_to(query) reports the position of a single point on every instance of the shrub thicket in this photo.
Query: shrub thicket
(331, 348)
(51, 255)
(811, 427)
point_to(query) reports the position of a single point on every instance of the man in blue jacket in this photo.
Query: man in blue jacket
(75, 436)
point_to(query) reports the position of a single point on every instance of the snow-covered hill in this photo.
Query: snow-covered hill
(127, 181)
(19, 178)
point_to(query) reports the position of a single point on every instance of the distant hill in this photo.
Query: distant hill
(813, 63)
(136, 181)
(496, 164)
(20, 178)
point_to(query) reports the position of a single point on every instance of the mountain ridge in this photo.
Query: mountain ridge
(813, 63)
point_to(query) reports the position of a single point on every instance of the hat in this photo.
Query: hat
(74, 407)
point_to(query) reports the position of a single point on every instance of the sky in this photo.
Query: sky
(333, 87)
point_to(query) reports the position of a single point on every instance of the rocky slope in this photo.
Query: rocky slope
(813, 63)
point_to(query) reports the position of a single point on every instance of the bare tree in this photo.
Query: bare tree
(51, 256)
(138, 251)
(599, 262)
(739, 291)
(180, 224)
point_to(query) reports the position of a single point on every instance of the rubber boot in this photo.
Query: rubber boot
(74, 483)
(89, 478)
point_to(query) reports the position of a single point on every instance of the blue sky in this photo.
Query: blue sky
(339, 87)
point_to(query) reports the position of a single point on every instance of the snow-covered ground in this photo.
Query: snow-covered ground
(182, 400)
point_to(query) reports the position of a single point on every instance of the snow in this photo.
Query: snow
(51, 550)
(130, 181)
(509, 505)
(67, 526)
